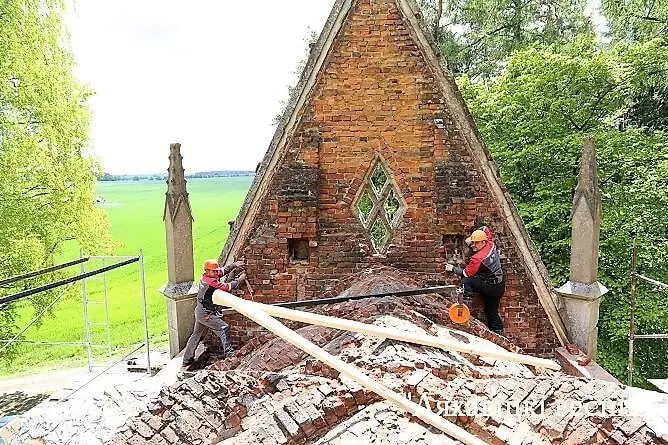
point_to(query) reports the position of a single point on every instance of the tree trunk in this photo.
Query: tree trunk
(437, 21)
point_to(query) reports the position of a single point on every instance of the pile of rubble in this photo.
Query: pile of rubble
(271, 392)
(308, 402)
(87, 418)
(91, 410)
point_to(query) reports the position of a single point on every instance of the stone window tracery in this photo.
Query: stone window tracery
(380, 206)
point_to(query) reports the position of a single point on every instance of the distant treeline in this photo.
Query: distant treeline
(163, 176)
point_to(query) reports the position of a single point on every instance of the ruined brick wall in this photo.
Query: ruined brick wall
(375, 98)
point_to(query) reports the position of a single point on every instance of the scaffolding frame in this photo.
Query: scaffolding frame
(83, 276)
(634, 284)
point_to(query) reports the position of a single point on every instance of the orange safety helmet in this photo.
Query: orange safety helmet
(211, 265)
(477, 235)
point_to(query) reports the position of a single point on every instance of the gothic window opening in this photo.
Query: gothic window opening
(380, 206)
(365, 205)
(391, 206)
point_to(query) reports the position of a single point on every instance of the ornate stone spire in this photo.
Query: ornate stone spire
(586, 216)
(180, 288)
(582, 293)
(177, 193)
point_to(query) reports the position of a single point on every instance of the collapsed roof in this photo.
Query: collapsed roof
(272, 393)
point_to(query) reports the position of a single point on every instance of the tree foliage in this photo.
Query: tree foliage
(533, 118)
(310, 40)
(46, 177)
(477, 36)
(637, 20)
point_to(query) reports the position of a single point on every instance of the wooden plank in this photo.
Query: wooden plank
(255, 313)
(396, 334)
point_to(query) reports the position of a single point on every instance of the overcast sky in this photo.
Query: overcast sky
(208, 74)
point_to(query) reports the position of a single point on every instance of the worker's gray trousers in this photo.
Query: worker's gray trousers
(205, 319)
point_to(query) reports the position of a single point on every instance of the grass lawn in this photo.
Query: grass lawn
(135, 211)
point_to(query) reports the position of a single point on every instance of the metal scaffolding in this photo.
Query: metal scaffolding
(119, 261)
(634, 284)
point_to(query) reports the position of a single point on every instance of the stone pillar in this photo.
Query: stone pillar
(180, 288)
(582, 293)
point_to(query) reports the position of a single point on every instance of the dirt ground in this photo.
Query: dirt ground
(19, 394)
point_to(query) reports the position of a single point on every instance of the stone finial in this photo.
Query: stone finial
(177, 194)
(582, 293)
(178, 221)
(586, 216)
(180, 288)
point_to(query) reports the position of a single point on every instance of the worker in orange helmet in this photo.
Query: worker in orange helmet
(208, 314)
(483, 274)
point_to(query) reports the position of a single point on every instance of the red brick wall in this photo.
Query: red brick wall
(375, 96)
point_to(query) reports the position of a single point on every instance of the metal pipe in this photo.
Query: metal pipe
(106, 307)
(110, 257)
(56, 343)
(656, 336)
(49, 306)
(658, 283)
(244, 307)
(42, 271)
(59, 283)
(143, 297)
(399, 293)
(319, 301)
(89, 351)
(632, 327)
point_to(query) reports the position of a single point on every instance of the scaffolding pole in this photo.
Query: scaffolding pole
(84, 295)
(632, 318)
(55, 284)
(143, 298)
(42, 271)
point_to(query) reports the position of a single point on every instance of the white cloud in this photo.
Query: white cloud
(209, 74)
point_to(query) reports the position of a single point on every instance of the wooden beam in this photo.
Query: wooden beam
(396, 334)
(254, 312)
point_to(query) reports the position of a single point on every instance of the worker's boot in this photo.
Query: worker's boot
(228, 351)
(186, 364)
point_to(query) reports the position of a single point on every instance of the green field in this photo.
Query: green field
(135, 212)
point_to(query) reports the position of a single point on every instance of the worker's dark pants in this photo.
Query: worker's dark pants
(205, 319)
(491, 295)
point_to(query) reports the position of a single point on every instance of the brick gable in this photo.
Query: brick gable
(375, 99)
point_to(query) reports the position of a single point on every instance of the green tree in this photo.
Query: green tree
(477, 36)
(647, 87)
(533, 118)
(46, 177)
(637, 20)
(310, 40)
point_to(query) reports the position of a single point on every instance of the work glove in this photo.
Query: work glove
(449, 267)
(241, 277)
(239, 264)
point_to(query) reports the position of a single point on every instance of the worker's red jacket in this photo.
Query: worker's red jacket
(207, 286)
(485, 264)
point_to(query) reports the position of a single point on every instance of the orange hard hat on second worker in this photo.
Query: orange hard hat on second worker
(477, 235)
(211, 265)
